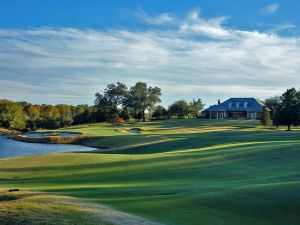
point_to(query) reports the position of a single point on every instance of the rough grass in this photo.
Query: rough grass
(176, 172)
(37, 208)
(32, 209)
(4, 131)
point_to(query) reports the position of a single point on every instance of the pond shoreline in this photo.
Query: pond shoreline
(7, 132)
(52, 140)
(77, 139)
(49, 139)
(9, 147)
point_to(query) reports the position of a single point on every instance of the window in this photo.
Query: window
(245, 105)
(253, 115)
(230, 104)
(237, 105)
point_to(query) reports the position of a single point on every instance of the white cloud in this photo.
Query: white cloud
(207, 27)
(197, 58)
(281, 27)
(162, 19)
(270, 9)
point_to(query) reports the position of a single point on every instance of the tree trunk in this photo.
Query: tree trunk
(144, 119)
(289, 127)
(34, 125)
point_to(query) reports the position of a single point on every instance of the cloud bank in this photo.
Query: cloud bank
(196, 57)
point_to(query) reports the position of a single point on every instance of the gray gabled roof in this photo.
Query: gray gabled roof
(252, 105)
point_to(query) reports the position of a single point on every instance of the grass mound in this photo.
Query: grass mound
(42, 209)
(36, 209)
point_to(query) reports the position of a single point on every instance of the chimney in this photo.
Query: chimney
(219, 101)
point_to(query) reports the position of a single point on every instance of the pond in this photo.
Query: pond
(11, 148)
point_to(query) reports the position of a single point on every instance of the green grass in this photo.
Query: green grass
(176, 172)
(39, 208)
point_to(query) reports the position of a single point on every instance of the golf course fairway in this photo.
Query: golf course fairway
(197, 172)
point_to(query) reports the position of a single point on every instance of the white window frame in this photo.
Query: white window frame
(222, 115)
(253, 115)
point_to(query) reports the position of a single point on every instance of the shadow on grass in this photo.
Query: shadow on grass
(149, 143)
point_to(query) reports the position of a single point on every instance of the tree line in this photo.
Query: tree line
(26, 116)
(138, 102)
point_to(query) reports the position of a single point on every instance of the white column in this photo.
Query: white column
(210, 115)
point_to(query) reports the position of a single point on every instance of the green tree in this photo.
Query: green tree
(65, 115)
(50, 117)
(288, 110)
(160, 112)
(107, 104)
(196, 107)
(81, 114)
(116, 93)
(141, 98)
(265, 118)
(12, 115)
(34, 114)
(105, 110)
(179, 109)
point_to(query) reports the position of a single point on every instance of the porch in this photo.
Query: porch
(237, 115)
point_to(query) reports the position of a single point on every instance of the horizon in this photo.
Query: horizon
(57, 52)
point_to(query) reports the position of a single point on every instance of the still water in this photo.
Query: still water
(11, 148)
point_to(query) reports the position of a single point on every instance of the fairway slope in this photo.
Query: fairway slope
(181, 172)
(33, 208)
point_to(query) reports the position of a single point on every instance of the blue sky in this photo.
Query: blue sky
(65, 51)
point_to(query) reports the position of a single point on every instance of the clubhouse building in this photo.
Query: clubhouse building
(235, 108)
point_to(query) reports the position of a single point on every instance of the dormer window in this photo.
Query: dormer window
(237, 105)
(245, 105)
(230, 105)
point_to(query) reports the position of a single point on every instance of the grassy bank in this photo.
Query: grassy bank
(5, 132)
(176, 172)
(50, 139)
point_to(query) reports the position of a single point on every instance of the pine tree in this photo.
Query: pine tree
(265, 118)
